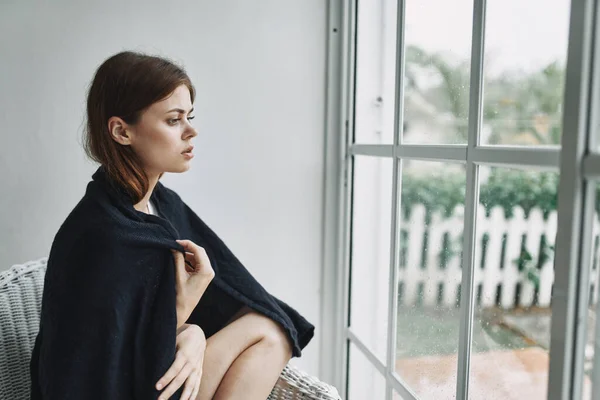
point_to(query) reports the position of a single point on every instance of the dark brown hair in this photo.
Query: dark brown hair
(124, 86)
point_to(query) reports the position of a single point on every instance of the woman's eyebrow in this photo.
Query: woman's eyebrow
(179, 110)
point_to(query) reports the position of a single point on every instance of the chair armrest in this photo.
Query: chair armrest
(294, 384)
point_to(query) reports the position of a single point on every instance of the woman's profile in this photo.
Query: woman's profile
(141, 298)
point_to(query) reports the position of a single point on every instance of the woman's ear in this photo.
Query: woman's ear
(119, 130)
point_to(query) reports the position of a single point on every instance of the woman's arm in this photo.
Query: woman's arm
(193, 274)
(185, 309)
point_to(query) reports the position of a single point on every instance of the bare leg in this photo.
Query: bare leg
(254, 373)
(244, 359)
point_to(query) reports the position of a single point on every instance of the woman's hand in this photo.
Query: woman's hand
(192, 277)
(187, 367)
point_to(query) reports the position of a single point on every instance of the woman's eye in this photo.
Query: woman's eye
(174, 121)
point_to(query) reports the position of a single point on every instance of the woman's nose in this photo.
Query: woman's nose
(191, 132)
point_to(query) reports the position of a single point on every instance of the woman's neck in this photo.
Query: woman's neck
(142, 205)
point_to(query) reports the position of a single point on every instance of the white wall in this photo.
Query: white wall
(259, 70)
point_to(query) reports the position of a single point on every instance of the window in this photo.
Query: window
(471, 233)
(590, 362)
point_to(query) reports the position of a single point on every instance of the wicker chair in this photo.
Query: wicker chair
(20, 305)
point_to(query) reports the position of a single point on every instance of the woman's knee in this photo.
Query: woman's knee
(260, 329)
(274, 336)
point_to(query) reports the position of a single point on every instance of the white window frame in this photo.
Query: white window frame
(576, 159)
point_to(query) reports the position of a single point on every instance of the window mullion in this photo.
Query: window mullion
(471, 200)
(565, 333)
(348, 31)
(396, 190)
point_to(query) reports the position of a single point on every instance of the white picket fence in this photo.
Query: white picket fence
(425, 280)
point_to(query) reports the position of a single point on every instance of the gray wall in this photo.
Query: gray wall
(259, 69)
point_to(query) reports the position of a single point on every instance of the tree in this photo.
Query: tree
(447, 98)
(518, 108)
(526, 108)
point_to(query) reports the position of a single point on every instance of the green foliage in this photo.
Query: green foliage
(531, 268)
(525, 265)
(504, 188)
(526, 189)
(439, 193)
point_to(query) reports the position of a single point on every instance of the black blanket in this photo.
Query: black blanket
(108, 319)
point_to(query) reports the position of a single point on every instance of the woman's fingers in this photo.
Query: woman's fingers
(190, 262)
(197, 386)
(196, 259)
(190, 386)
(188, 245)
(192, 248)
(190, 343)
(177, 382)
(200, 369)
(184, 263)
(180, 267)
(177, 366)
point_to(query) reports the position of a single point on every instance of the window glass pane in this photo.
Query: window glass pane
(364, 381)
(513, 278)
(591, 366)
(524, 69)
(375, 71)
(370, 262)
(438, 54)
(429, 277)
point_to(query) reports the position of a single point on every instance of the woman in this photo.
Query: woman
(141, 298)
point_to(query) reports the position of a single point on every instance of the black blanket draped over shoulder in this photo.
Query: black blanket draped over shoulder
(108, 318)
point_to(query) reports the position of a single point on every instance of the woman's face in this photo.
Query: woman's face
(164, 132)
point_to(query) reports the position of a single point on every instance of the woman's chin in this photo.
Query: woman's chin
(185, 167)
(177, 169)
